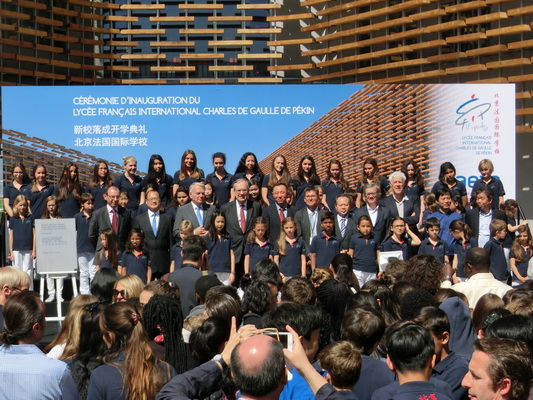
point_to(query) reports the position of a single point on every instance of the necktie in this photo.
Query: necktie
(343, 226)
(243, 219)
(154, 224)
(281, 214)
(199, 216)
(114, 220)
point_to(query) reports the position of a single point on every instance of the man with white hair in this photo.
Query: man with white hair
(196, 211)
(401, 204)
(12, 280)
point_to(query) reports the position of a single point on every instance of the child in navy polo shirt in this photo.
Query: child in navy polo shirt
(186, 229)
(258, 245)
(85, 247)
(325, 245)
(364, 250)
(400, 238)
(521, 253)
(464, 241)
(342, 362)
(433, 245)
(22, 237)
(135, 260)
(108, 256)
(494, 247)
(486, 168)
(289, 250)
(220, 254)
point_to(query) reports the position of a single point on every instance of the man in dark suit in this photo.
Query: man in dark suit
(345, 225)
(112, 216)
(308, 218)
(379, 216)
(400, 204)
(194, 257)
(195, 211)
(239, 216)
(480, 217)
(157, 228)
(279, 210)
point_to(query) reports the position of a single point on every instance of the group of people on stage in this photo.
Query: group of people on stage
(184, 278)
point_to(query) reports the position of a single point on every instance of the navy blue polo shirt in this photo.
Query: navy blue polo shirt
(175, 255)
(22, 233)
(460, 249)
(498, 263)
(390, 244)
(290, 264)
(510, 237)
(98, 194)
(11, 192)
(132, 188)
(495, 185)
(218, 254)
(374, 375)
(187, 181)
(414, 390)
(383, 183)
(452, 370)
(135, 265)
(364, 252)
(331, 190)
(104, 262)
(222, 186)
(325, 248)
(459, 188)
(242, 175)
(83, 243)
(164, 188)
(258, 252)
(414, 190)
(69, 206)
(38, 199)
(438, 251)
(521, 266)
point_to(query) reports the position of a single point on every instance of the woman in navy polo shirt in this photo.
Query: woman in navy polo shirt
(158, 179)
(279, 172)
(220, 179)
(447, 180)
(21, 184)
(100, 181)
(248, 168)
(306, 177)
(130, 183)
(188, 172)
(68, 191)
(334, 184)
(371, 174)
(40, 191)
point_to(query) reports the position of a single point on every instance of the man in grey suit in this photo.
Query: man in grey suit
(112, 216)
(157, 228)
(379, 216)
(239, 216)
(308, 218)
(195, 211)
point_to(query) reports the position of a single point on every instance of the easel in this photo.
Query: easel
(59, 296)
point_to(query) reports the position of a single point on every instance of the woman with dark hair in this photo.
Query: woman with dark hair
(305, 177)
(163, 322)
(68, 191)
(20, 184)
(248, 169)
(371, 174)
(447, 179)
(130, 371)
(99, 183)
(279, 173)
(209, 339)
(258, 299)
(342, 266)
(220, 179)
(414, 185)
(40, 190)
(91, 346)
(188, 172)
(332, 297)
(103, 283)
(158, 179)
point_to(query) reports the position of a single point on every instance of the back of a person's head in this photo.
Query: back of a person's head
(516, 327)
(193, 247)
(103, 283)
(13, 278)
(258, 298)
(522, 306)
(478, 259)
(362, 299)
(364, 327)
(209, 339)
(224, 302)
(425, 272)
(160, 286)
(268, 271)
(303, 318)
(21, 311)
(203, 284)
(299, 290)
(343, 362)
(486, 303)
(401, 288)
(395, 270)
(332, 297)
(122, 320)
(434, 320)
(410, 348)
(414, 301)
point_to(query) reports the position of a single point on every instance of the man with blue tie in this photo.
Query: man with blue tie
(157, 228)
(195, 211)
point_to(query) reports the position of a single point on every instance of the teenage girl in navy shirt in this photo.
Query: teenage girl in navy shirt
(521, 253)
(188, 172)
(68, 191)
(289, 252)
(108, 256)
(219, 250)
(220, 179)
(447, 180)
(248, 169)
(130, 183)
(306, 177)
(100, 181)
(22, 237)
(258, 245)
(464, 241)
(158, 179)
(40, 191)
(371, 174)
(20, 185)
(135, 260)
(334, 184)
(400, 238)
(279, 172)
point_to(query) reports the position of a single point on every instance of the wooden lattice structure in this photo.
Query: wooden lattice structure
(387, 122)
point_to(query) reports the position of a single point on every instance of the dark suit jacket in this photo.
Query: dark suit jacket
(271, 215)
(382, 222)
(472, 219)
(186, 212)
(304, 227)
(185, 278)
(158, 246)
(100, 221)
(410, 206)
(348, 232)
(238, 238)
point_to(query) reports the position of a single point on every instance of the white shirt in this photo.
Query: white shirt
(480, 284)
(313, 222)
(373, 214)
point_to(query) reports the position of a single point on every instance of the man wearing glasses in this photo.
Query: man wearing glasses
(12, 281)
(378, 215)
